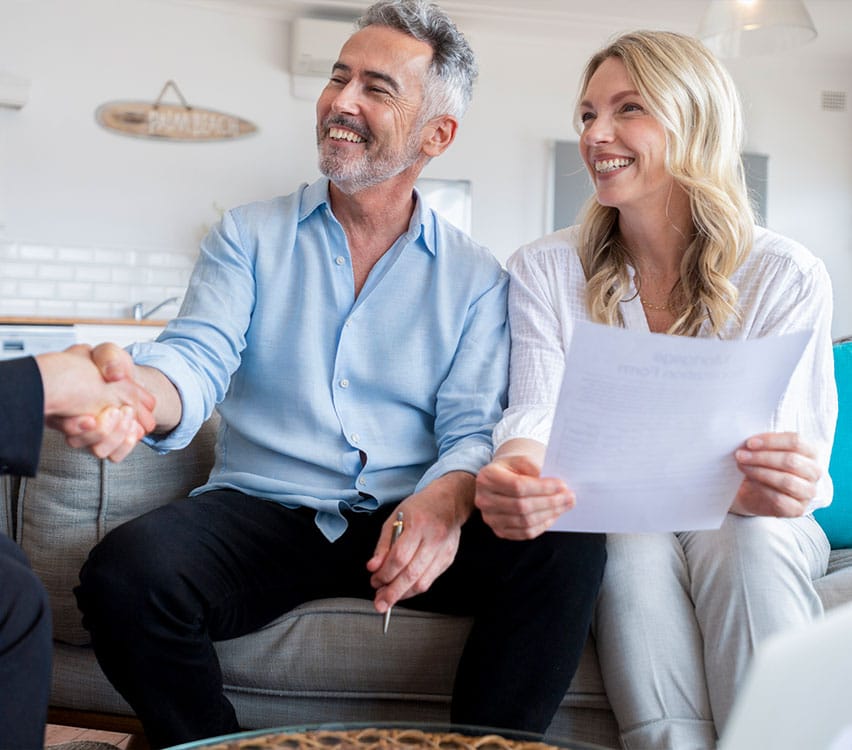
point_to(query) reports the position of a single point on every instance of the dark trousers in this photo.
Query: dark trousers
(157, 591)
(26, 647)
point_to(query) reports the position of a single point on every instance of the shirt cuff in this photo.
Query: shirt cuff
(532, 422)
(175, 368)
(469, 458)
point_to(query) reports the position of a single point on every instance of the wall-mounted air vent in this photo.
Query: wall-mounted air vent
(834, 101)
(315, 44)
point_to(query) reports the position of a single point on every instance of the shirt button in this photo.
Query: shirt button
(340, 260)
(362, 482)
(355, 437)
(344, 383)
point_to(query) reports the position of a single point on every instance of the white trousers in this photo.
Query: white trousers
(679, 615)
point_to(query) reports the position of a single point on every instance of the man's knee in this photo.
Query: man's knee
(125, 565)
(575, 554)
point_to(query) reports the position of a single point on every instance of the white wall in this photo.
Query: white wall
(810, 160)
(66, 181)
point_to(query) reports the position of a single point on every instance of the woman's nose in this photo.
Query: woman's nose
(598, 130)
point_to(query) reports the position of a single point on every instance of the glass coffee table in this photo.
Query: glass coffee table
(384, 736)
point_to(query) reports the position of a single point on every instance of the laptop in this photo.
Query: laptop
(797, 694)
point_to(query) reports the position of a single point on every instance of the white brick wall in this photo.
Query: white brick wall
(88, 282)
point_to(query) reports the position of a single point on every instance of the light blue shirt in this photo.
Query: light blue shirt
(328, 401)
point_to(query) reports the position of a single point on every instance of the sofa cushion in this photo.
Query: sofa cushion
(836, 519)
(76, 499)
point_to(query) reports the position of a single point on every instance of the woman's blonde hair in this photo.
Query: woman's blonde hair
(694, 98)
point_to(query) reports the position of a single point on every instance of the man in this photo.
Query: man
(356, 346)
(54, 385)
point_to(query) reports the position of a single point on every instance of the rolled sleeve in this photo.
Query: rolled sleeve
(472, 397)
(201, 348)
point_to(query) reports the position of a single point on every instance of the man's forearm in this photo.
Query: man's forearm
(168, 410)
(457, 489)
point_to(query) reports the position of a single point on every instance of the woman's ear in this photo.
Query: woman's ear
(438, 134)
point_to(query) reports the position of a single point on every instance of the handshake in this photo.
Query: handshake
(93, 397)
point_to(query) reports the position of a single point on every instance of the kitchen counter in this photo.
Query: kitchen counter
(41, 321)
(23, 335)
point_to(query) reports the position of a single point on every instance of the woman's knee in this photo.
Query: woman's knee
(742, 546)
(635, 559)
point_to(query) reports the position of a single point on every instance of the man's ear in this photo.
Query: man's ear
(438, 134)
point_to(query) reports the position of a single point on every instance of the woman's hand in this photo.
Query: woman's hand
(513, 498)
(781, 474)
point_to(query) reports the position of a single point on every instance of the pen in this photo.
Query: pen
(397, 530)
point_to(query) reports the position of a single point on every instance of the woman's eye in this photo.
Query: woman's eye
(630, 107)
(586, 117)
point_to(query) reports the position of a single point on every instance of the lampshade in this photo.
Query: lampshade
(740, 28)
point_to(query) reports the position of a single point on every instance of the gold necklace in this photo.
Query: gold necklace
(655, 308)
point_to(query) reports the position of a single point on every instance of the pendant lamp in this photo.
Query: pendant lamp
(742, 28)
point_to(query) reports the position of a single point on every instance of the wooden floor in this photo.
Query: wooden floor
(56, 734)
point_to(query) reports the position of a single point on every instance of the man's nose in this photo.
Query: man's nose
(346, 100)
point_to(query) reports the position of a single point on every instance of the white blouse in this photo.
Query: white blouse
(782, 288)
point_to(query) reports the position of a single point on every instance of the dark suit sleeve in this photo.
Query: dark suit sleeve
(21, 416)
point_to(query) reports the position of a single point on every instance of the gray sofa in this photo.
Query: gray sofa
(326, 661)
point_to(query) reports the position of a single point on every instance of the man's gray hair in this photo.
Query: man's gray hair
(449, 86)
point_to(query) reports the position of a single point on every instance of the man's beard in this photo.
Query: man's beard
(351, 174)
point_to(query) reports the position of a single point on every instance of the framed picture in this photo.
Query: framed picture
(450, 198)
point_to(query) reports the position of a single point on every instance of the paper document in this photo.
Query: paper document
(647, 424)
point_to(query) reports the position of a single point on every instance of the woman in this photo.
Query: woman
(668, 244)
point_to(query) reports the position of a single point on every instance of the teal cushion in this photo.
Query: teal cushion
(836, 519)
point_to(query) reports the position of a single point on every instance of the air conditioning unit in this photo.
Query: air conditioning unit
(315, 45)
(14, 90)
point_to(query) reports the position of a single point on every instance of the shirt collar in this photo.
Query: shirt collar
(314, 196)
(421, 227)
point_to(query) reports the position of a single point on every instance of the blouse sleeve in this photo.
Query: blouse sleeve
(537, 361)
(809, 405)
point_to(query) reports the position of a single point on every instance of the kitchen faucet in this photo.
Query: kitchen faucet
(138, 308)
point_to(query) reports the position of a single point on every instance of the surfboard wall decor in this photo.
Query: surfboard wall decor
(171, 122)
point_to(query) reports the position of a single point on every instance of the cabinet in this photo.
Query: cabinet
(23, 337)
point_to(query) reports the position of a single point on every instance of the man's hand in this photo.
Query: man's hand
(512, 496)
(781, 475)
(92, 392)
(428, 545)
